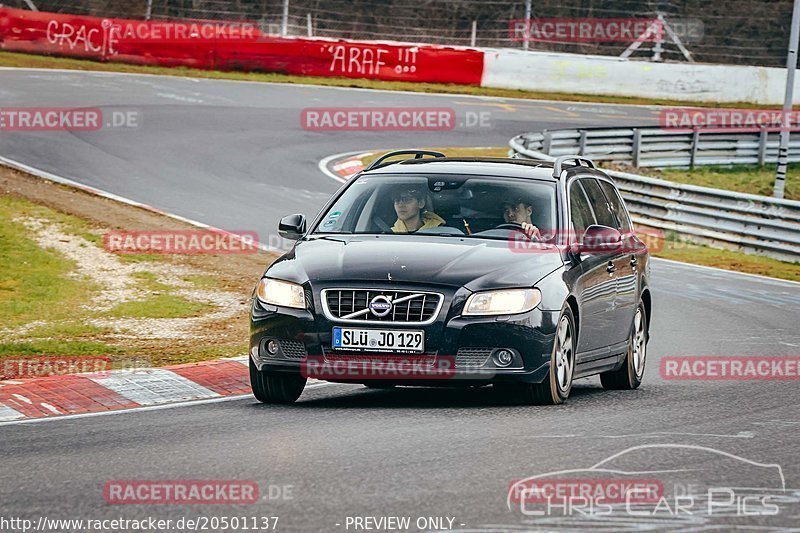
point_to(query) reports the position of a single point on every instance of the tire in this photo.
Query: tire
(629, 375)
(272, 387)
(555, 389)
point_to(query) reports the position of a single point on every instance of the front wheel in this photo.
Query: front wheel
(629, 375)
(557, 385)
(274, 387)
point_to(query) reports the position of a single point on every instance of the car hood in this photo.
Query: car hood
(474, 263)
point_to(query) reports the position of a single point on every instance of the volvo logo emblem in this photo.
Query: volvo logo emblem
(380, 305)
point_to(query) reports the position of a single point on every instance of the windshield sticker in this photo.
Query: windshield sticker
(333, 218)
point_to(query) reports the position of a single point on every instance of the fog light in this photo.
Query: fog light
(503, 357)
(272, 347)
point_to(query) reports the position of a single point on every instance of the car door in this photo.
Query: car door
(595, 284)
(632, 255)
(618, 262)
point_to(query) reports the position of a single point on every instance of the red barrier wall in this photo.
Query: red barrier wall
(232, 46)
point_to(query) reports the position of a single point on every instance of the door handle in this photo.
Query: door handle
(611, 267)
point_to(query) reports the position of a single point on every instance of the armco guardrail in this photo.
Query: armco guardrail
(657, 147)
(747, 222)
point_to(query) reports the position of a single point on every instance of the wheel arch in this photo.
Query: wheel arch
(572, 302)
(647, 301)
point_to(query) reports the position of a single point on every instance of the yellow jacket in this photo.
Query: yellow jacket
(429, 220)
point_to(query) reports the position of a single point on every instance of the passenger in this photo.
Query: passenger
(518, 210)
(409, 204)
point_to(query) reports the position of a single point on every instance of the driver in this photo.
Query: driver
(518, 210)
(409, 204)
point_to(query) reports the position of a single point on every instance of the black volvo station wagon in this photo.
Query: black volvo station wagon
(519, 274)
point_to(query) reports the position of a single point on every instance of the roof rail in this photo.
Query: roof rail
(558, 163)
(418, 154)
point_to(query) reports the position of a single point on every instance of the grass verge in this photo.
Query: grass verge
(63, 294)
(12, 59)
(741, 178)
(34, 281)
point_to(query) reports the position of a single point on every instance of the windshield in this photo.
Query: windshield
(477, 206)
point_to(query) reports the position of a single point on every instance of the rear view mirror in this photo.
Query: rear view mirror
(600, 239)
(292, 227)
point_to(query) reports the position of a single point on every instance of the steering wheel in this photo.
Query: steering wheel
(515, 226)
(510, 226)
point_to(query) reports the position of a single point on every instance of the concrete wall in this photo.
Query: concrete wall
(572, 73)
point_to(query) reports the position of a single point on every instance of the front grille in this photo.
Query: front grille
(408, 307)
(293, 349)
(472, 357)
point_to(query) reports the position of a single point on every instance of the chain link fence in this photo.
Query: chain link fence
(746, 32)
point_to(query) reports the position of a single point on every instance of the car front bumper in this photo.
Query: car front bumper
(458, 350)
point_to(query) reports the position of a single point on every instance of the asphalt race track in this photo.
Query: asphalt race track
(234, 155)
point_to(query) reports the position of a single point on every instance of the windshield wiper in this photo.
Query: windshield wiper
(328, 237)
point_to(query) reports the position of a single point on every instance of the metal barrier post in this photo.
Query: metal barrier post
(695, 143)
(547, 140)
(637, 146)
(762, 147)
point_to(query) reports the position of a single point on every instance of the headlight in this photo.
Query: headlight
(282, 293)
(503, 302)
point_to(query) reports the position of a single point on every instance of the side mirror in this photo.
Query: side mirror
(292, 227)
(600, 239)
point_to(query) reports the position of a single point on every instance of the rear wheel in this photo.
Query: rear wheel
(557, 385)
(629, 375)
(272, 387)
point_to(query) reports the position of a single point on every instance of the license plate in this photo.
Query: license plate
(379, 340)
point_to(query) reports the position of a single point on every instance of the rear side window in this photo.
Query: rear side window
(616, 206)
(600, 206)
(580, 213)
